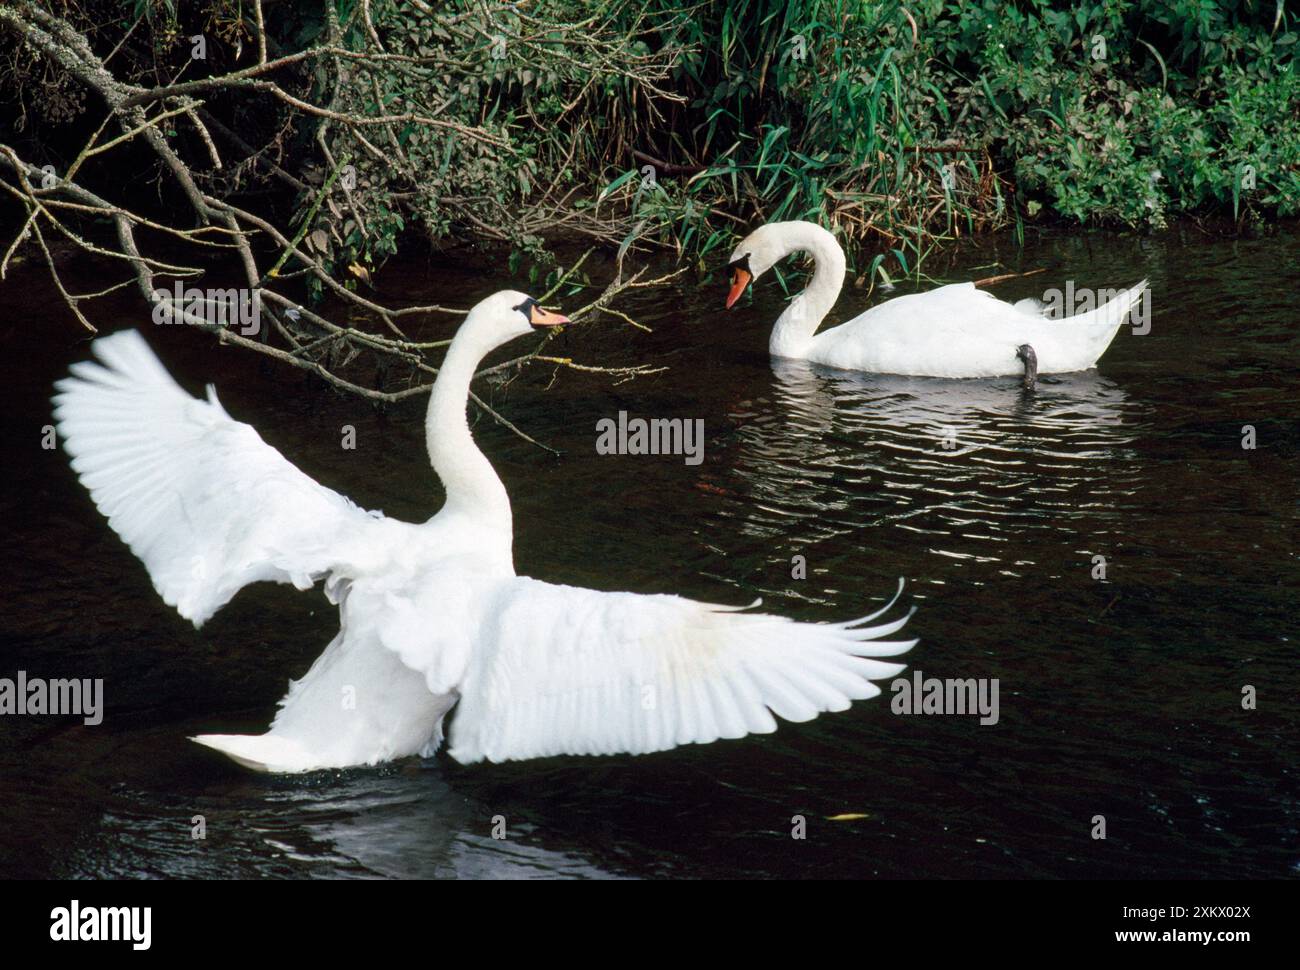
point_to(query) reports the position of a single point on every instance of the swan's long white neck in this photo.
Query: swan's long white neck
(792, 336)
(472, 486)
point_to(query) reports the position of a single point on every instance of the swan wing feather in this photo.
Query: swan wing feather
(562, 670)
(199, 497)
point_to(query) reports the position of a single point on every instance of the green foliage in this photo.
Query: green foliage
(902, 124)
(1128, 112)
(499, 103)
(823, 110)
(1124, 112)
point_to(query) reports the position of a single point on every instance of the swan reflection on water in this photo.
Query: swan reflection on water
(403, 821)
(968, 462)
(976, 407)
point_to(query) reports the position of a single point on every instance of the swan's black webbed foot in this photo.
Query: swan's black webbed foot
(1026, 354)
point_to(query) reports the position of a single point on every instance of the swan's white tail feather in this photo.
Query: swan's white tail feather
(1097, 328)
(1112, 313)
(261, 752)
(1031, 306)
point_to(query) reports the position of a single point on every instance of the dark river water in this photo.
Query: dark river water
(1119, 697)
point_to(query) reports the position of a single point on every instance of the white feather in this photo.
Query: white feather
(200, 498)
(951, 331)
(431, 613)
(602, 673)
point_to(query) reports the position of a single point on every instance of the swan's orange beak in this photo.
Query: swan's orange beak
(739, 280)
(545, 319)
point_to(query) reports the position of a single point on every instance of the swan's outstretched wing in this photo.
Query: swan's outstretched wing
(559, 670)
(200, 498)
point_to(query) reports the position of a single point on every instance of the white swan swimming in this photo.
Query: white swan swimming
(952, 331)
(432, 615)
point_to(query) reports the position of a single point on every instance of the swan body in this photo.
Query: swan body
(951, 331)
(431, 615)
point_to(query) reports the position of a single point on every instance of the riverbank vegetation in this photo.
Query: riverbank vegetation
(306, 141)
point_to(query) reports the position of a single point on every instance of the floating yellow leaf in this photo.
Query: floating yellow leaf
(846, 817)
(360, 272)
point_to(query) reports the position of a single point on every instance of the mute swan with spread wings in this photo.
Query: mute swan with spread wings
(432, 615)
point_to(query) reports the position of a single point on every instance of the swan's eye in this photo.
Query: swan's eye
(741, 275)
(738, 265)
(540, 318)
